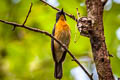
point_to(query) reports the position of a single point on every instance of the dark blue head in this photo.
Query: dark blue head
(59, 14)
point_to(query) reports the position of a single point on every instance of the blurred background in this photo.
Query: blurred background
(26, 55)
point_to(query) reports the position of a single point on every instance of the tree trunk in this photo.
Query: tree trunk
(101, 56)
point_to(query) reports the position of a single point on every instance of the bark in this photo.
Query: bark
(101, 56)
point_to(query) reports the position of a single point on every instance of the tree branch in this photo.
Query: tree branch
(48, 34)
(28, 14)
(70, 15)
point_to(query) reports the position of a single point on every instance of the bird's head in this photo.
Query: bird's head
(60, 15)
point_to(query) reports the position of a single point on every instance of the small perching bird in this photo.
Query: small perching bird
(61, 32)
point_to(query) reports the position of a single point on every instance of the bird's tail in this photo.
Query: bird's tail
(58, 70)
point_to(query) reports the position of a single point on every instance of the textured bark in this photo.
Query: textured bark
(101, 56)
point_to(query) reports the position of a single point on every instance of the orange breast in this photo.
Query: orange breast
(62, 33)
(62, 25)
(62, 30)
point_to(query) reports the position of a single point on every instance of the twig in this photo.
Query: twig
(48, 34)
(70, 15)
(28, 14)
(13, 28)
(25, 19)
(110, 55)
(78, 14)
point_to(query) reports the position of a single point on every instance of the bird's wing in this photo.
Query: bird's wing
(52, 43)
(63, 57)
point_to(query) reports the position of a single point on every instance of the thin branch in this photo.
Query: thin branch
(25, 19)
(13, 28)
(48, 34)
(78, 14)
(28, 14)
(70, 15)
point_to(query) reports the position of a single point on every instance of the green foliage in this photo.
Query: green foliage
(26, 55)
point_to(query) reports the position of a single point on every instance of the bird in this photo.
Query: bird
(61, 32)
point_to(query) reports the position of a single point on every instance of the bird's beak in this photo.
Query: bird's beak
(62, 12)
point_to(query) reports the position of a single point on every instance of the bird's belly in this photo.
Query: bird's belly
(64, 37)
